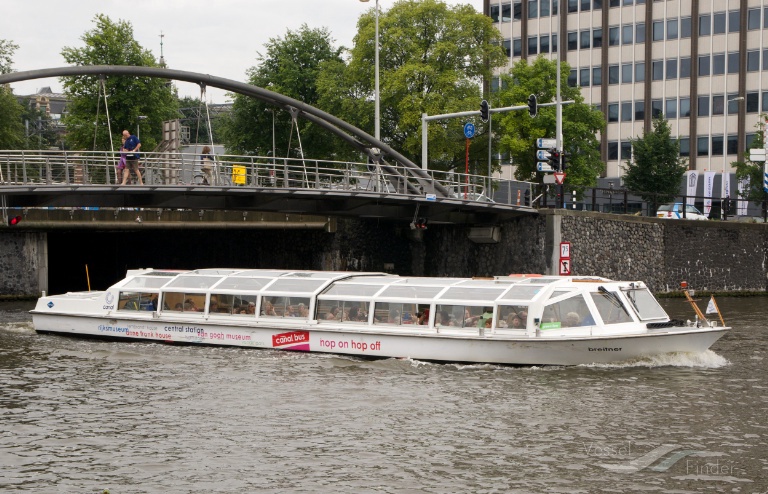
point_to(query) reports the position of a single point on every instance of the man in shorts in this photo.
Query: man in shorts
(131, 147)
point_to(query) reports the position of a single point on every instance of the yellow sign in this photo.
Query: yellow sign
(238, 174)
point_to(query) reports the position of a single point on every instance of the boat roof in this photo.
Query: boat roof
(354, 285)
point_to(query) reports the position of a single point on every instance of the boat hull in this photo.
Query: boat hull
(490, 348)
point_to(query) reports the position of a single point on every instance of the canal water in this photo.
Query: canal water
(80, 416)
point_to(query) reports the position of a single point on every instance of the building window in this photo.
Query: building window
(613, 150)
(718, 23)
(597, 76)
(717, 145)
(718, 64)
(533, 45)
(573, 40)
(672, 68)
(685, 27)
(672, 32)
(733, 63)
(733, 144)
(544, 43)
(750, 139)
(685, 107)
(507, 45)
(626, 34)
(617, 3)
(639, 71)
(733, 104)
(597, 38)
(626, 150)
(613, 36)
(545, 7)
(753, 102)
(517, 47)
(586, 38)
(704, 68)
(554, 43)
(753, 19)
(658, 30)
(671, 108)
(533, 9)
(657, 108)
(702, 108)
(626, 112)
(584, 77)
(597, 4)
(626, 73)
(613, 112)
(657, 70)
(765, 101)
(518, 8)
(705, 24)
(640, 110)
(572, 76)
(702, 146)
(718, 104)
(734, 21)
(495, 12)
(613, 74)
(640, 32)
(573, 6)
(685, 146)
(753, 61)
(685, 67)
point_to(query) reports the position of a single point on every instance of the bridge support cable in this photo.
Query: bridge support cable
(295, 123)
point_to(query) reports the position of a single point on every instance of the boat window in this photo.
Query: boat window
(146, 282)
(388, 313)
(297, 307)
(512, 316)
(459, 316)
(137, 301)
(183, 302)
(186, 281)
(471, 293)
(358, 290)
(560, 292)
(237, 283)
(522, 292)
(411, 291)
(296, 285)
(342, 310)
(645, 304)
(571, 312)
(227, 303)
(609, 308)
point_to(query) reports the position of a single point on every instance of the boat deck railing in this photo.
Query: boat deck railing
(184, 169)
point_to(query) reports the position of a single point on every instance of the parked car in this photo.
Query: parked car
(675, 211)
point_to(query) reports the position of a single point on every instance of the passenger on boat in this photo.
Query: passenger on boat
(407, 319)
(393, 317)
(487, 314)
(424, 317)
(269, 309)
(572, 319)
(443, 318)
(513, 321)
(303, 311)
(251, 309)
(355, 314)
(189, 306)
(333, 313)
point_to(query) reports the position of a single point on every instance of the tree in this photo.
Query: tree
(581, 122)
(112, 43)
(432, 59)
(291, 67)
(194, 115)
(11, 128)
(752, 171)
(656, 169)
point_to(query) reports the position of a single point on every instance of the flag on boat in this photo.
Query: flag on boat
(711, 306)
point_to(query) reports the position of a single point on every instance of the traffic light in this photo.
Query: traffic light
(532, 105)
(419, 224)
(554, 159)
(14, 220)
(566, 156)
(484, 110)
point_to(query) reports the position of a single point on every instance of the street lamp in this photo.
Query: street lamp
(377, 124)
(723, 191)
(138, 126)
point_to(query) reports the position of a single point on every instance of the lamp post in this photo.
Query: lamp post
(138, 126)
(377, 124)
(723, 191)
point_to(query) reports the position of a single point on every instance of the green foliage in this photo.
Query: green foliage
(113, 43)
(432, 59)
(656, 170)
(291, 67)
(193, 114)
(11, 128)
(581, 122)
(41, 133)
(752, 171)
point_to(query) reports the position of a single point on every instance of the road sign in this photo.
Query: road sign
(559, 177)
(757, 155)
(544, 166)
(542, 155)
(431, 197)
(565, 250)
(469, 130)
(546, 143)
(565, 267)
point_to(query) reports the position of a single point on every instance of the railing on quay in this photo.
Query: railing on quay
(185, 169)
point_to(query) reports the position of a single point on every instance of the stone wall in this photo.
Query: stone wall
(23, 264)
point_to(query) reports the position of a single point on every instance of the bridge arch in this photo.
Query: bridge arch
(375, 149)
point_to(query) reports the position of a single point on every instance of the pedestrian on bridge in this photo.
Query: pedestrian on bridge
(131, 147)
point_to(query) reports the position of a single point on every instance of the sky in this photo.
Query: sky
(218, 37)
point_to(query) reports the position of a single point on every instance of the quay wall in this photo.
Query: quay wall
(710, 255)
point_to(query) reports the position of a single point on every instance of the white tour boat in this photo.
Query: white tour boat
(518, 319)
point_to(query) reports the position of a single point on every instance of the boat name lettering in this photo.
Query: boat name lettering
(290, 338)
(185, 329)
(150, 334)
(112, 329)
(604, 349)
(108, 307)
(352, 344)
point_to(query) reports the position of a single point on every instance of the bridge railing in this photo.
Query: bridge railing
(173, 169)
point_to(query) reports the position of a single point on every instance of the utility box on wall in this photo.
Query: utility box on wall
(484, 234)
